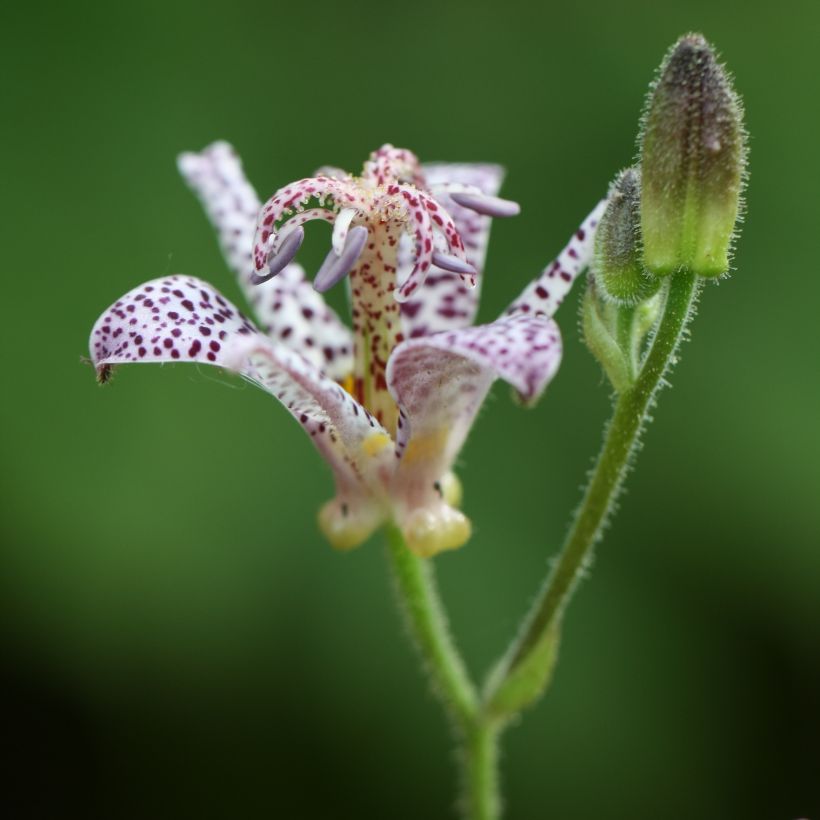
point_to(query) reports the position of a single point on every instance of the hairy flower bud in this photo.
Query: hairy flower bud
(692, 154)
(618, 261)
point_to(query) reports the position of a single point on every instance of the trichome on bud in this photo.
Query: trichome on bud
(618, 261)
(692, 158)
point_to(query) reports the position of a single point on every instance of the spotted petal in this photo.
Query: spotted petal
(287, 307)
(439, 383)
(446, 302)
(543, 296)
(179, 318)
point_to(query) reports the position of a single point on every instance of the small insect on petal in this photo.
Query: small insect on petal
(446, 261)
(487, 205)
(336, 267)
(280, 260)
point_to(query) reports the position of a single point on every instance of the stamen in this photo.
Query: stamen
(283, 257)
(337, 266)
(452, 263)
(340, 229)
(487, 205)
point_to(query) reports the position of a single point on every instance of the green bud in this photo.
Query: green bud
(618, 260)
(693, 153)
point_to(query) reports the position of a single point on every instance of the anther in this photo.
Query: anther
(283, 257)
(337, 266)
(452, 263)
(487, 205)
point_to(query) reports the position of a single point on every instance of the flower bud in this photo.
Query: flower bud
(618, 260)
(692, 157)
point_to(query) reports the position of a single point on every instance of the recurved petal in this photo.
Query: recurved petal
(215, 175)
(473, 228)
(543, 296)
(440, 382)
(293, 314)
(180, 318)
(175, 318)
(446, 302)
(287, 308)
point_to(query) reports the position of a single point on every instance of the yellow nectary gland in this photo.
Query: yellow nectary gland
(431, 530)
(346, 527)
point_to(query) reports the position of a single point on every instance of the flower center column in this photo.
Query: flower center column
(376, 318)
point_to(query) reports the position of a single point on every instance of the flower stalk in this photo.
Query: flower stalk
(524, 672)
(623, 432)
(427, 623)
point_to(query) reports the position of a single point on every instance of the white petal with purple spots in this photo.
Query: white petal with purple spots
(543, 296)
(179, 318)
(287, 308)
(439, 383)
(446, 302)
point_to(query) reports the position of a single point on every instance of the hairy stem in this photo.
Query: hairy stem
(481, 799)
(427, 622)
(629, 417)
(478, 727)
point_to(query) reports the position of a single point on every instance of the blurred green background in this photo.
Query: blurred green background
(178, 641)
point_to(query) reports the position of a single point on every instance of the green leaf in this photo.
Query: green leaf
(527, 680)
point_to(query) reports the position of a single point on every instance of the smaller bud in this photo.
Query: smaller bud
(618, 260)
(693, 153)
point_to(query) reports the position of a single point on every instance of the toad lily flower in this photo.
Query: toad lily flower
(390, 403)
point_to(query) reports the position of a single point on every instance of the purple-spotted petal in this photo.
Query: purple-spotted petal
(176, 318)
(216, 177)
(179, 318)
(358, 448)
(439, 383)
(446, 303)
(287, 308)
(544, 295)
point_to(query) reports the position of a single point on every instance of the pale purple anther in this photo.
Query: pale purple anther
(452, 263)
(486, 205)
(336, 267)
(283, 257)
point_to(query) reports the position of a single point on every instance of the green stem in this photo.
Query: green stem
(626, 338)
(477, 737)
(427, 623)
(478, 728)
(481, 798)
(629, 417)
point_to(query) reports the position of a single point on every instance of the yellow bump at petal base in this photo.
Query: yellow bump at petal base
(451, 489)
(375, 443)
(346, 528)
(431, 531)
